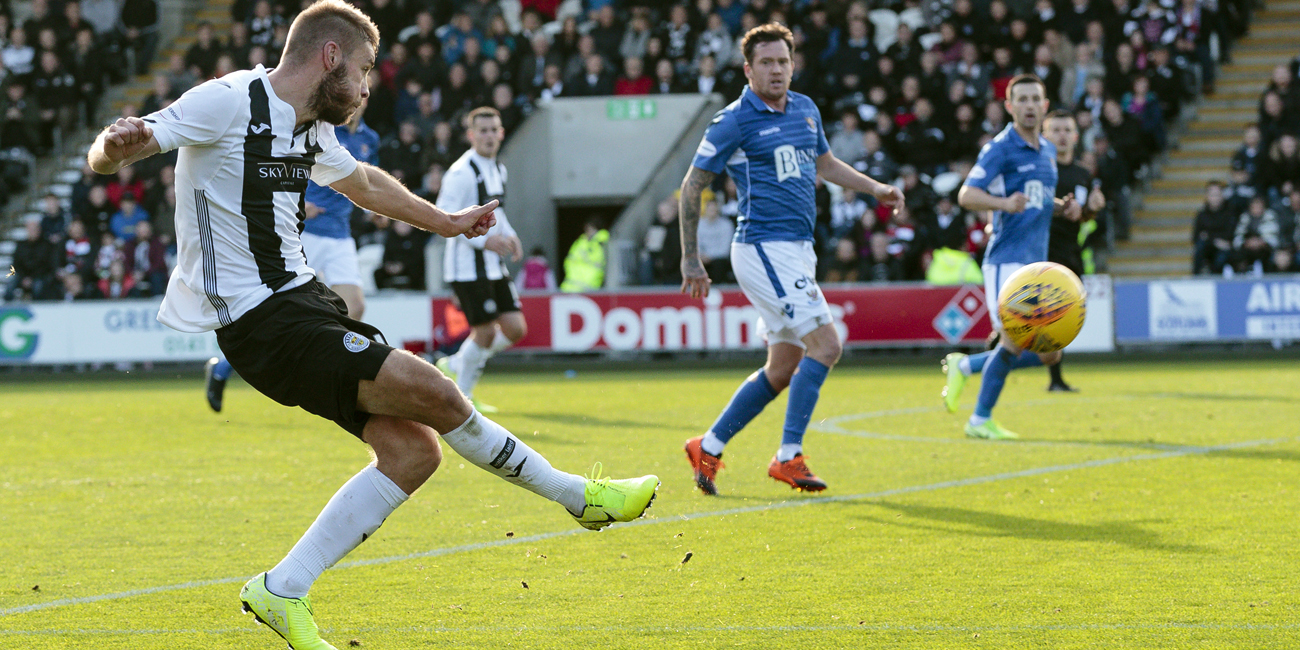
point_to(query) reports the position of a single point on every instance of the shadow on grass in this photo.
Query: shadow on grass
(988, 524)
(1256, 454)
(594, 421)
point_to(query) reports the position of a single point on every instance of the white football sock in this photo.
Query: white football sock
(788, 451)
(472, 359)
(499, 343)
(352, 514)
(712, 444)
(489, 446)
(964, 365)
(976, 420)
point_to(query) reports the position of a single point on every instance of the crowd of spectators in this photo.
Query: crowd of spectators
(1248, 224)
(914, 105)
(909, 92)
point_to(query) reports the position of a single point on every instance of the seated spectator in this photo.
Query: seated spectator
(128, 215)
(78, 252)
(201, 58)
(592, 81)
(536, 274)
(715, 232)
(663, 245)
(715, 41)
(124, 183)
(1247, 155)
(404, 156)
(18, 57)
(635, 37)
(633, 80)
(160, 95)
(118, 284)
(403, 263)
(846, 213)
(1239, 192)
(1124, 133)
(85, 62)
(1144, 108)
(1275, 120)
(1213, 232)
(22, 119)
(35, 260)
(262, 24)
(666, 81)
(1282, 165)
(140, 31)
(553, 84)
(75, 287)
(97, 213)
(875, 161)
(146, 261)
(1170, 81)
(946, 225)
(878, 264)
(54, 219)
(1256, 238)
(843, 265)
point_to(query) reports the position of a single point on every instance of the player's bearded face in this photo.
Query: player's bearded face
(334, 100)
(770, 69)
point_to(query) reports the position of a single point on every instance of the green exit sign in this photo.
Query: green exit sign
(630, 109)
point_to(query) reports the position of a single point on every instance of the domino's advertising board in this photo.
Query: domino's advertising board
(1208, 310)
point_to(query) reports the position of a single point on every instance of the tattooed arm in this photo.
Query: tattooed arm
(695, 280)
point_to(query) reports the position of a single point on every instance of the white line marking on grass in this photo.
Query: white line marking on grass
(465, 548)
(678, 629)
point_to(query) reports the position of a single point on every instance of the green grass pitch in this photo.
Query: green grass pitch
(1155, 509)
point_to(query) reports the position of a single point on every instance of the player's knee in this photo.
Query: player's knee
(778, 377)
(515, 331)
(827, 350)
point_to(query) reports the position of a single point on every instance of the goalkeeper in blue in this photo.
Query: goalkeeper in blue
(1015, 179)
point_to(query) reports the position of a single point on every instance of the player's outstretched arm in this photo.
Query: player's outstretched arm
(123, 142)
(834, 170)
(695, 280)
(973, 198)
(373, 189)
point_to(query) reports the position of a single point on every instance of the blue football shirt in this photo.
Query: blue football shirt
(335, 218)
(1006, 165)
(772, 157)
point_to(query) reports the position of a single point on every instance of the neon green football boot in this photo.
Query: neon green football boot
(990, 430)
(444, 366)
(956, 380)
(291, 618)
(610, 500)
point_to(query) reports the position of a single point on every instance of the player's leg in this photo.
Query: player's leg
(996, 364)
(408, 387)
(488, 340)
(753, 395)
(406, 454)
(354, 297)
(958, 367)
(215, 373)
(788, 465)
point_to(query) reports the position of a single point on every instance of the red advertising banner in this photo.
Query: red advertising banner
(663, 319)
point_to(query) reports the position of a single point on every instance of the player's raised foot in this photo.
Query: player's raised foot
(1061, 387)
(795, 472)
(613, 500)
(444, 366)
(956, 380)
(291, 618)
(990, 430)
(213, 387)
(704, 464)
(483, 408)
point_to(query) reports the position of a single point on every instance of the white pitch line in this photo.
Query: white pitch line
(679, 629)
(465, 548)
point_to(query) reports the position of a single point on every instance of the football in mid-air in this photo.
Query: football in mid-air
(1042, 307)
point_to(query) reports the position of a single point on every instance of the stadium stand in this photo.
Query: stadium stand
(908, 90)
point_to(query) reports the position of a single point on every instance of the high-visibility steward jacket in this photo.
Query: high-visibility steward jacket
(950, 266)
(584, 268)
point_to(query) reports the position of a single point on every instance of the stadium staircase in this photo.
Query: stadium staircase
(1160, 242)
(58, 172)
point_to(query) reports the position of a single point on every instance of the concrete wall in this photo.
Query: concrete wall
(594, 151)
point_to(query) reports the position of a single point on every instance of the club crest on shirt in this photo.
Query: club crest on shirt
(355, 342)
(812, 124)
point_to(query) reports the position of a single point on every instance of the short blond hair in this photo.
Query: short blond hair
(325, 21)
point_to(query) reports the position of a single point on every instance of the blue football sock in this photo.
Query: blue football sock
(221, 371)
(1027, 359)
(995, 375)
(805, 388)
(977, 361)
(747, 403)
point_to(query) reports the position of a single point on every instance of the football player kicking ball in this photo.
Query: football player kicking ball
(1014, 177)
(772, 144)
(249, 142)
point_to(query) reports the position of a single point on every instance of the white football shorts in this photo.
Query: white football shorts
(779, 278)
(995, 275)
(333, 260)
